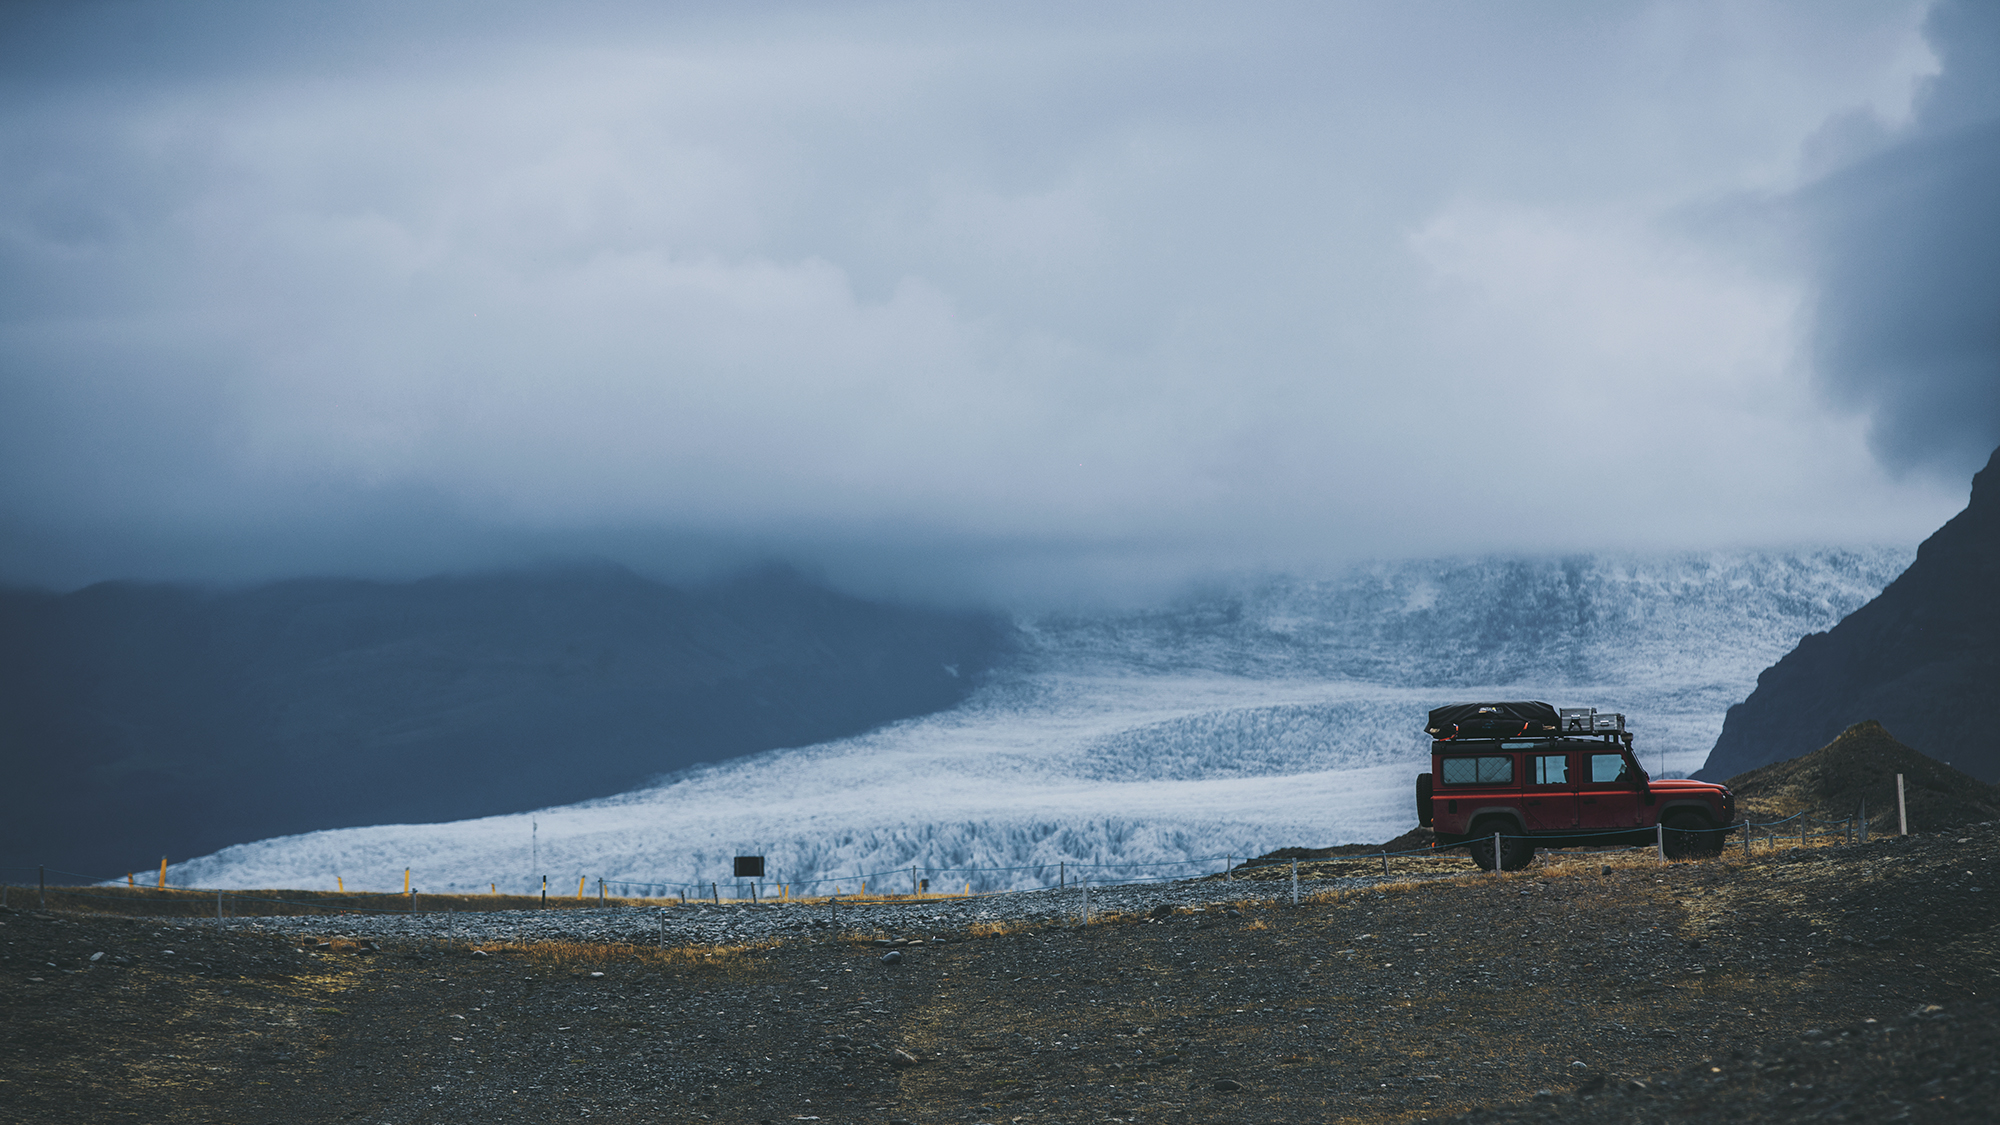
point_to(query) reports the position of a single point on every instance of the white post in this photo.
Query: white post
(1746, 837)
(1496, 854)
(1902, 813)
(1660, 839)
(1295, 882)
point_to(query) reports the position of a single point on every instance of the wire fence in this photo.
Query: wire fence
(914, 881)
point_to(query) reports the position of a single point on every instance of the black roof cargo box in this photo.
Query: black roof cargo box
(1493, 720)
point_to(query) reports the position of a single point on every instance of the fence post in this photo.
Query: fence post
(1496, 853)
(1660, 839)
(715, 893)
(600, 890)
(1228, 862)
(545, 892)
(1746, 837)
(1295, 882)
(1902, 813)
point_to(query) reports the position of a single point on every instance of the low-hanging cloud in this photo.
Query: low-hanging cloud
(973, 299)
(1907, 326)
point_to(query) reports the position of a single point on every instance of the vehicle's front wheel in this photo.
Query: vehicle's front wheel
(1689, 835)
(1516, 852)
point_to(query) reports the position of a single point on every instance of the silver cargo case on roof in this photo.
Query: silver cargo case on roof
(1577, 720)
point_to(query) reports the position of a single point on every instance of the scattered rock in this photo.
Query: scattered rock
(899, 1058)
(99, 956)
(1227, 1085)
(893, 957)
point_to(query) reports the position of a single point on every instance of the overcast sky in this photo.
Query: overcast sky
(1000, 300)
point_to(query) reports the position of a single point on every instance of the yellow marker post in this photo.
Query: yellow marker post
(495, 888)
(163, 873)
(406, 880)
(128, 880)
(579, 888)
(341, 883)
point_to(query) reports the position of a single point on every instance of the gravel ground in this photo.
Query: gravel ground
(1829, 983)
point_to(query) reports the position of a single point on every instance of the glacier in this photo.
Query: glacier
(1250, 714)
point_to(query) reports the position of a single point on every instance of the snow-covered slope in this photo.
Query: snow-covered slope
(1248, 717)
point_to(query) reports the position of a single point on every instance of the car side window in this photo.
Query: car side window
(1497, 769)
(1550, 769)
(1607, 768)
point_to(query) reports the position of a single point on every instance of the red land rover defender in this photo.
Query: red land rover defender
(1543, 779)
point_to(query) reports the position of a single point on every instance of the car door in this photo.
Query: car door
(1607, 796)
(1548, 799)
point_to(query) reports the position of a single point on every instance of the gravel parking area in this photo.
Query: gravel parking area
(1810, 985)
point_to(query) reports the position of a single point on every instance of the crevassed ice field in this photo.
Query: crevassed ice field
(1143, 744)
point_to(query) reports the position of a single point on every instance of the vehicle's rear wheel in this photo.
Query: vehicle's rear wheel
(1515, 851)
(1689, 835)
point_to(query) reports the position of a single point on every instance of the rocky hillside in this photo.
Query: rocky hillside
(139, 720)
(1923, 658)
(1862, 764)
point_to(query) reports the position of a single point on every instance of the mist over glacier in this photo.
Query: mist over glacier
(1253, 714)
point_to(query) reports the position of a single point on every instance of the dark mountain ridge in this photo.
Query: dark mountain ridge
(1923, 658)
(137, 720)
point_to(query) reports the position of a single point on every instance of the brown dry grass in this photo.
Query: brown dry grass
(575, 956)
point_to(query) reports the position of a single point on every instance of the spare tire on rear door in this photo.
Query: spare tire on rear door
(1424, 799)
